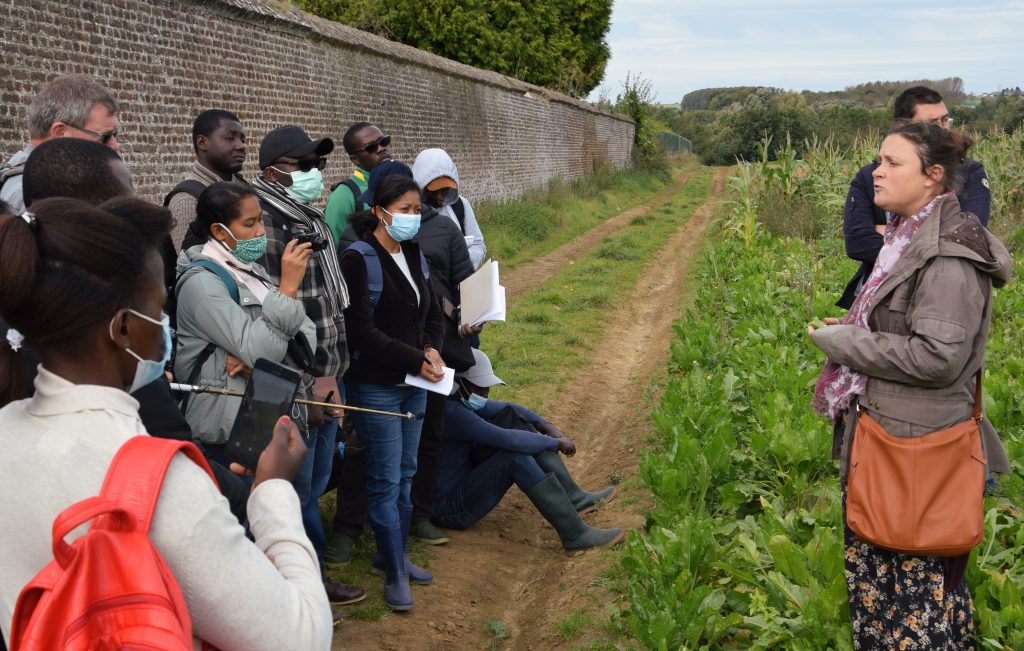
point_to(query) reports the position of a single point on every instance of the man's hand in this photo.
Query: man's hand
(466, 330)
(566, 446)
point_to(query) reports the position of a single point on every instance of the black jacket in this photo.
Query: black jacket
(861, 215)
(444, 247)
(389, 341)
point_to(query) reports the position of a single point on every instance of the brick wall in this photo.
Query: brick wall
(271, 64)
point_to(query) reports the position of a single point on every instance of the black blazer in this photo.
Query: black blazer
(389, 341)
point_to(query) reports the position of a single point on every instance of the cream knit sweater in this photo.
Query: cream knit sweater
(56, 449)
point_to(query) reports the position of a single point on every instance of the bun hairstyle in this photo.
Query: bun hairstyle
(67, 268)
(389, 190)
(936, 146)
(218, 204)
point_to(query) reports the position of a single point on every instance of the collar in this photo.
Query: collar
(361, 174)
(55, 395)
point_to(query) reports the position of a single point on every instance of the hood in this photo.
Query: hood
(432, 164)
(962, 235)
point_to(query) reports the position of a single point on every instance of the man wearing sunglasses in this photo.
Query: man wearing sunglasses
(74, 106)
(366, 146)
(290, 182)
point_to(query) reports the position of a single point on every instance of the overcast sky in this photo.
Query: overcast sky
(684, 45)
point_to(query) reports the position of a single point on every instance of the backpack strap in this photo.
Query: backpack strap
(191, 186)
(219, 271)
(137, 473)
(459, 208)
(374, 273)
(232, 286)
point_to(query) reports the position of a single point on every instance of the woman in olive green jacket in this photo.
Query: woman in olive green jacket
(908, 351)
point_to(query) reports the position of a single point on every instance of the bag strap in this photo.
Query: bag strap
(217, 270)
(374, 272)
(191, 186)
(137, 473)
(977, 414)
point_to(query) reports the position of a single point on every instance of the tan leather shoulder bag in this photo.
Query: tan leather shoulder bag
(923, 495)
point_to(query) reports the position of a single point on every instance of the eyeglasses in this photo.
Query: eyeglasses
(307, 164)
(381, 143)
(104, 137)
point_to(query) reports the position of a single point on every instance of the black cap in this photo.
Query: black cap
(291, 140)
(381, 170)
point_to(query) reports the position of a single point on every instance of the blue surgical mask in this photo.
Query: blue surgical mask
(403, 226)
(148, 370)
(473, 401)
(306, 186)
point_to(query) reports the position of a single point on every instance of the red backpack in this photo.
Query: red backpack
(110, 589)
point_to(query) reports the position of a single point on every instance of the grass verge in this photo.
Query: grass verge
(544, 219)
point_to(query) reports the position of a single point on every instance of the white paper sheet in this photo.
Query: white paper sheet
(442, 386)
(483, 298)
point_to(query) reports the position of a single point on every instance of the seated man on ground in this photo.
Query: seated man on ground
(489, 445)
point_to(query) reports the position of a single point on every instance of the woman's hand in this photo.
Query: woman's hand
(281, 459)
(880, 229)
(236, 366)
(466, 330)
(433, 366)
(815, 325)
(293, 266)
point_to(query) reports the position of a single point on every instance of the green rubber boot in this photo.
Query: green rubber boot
(551, 500)
(584, 501)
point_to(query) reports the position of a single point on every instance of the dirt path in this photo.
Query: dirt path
(531, 275)
(510, 568)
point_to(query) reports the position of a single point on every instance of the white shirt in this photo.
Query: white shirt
(403, 264)
(57, 447)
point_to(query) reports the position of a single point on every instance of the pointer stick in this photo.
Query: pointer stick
(197, 388)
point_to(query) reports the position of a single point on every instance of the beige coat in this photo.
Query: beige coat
(929, 326)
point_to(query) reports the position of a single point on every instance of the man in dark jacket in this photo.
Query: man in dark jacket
(864, 222)
(490, 445)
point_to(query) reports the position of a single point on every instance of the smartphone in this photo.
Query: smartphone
(269, 394)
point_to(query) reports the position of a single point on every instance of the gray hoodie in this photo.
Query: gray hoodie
(432, 164)
(248, 330)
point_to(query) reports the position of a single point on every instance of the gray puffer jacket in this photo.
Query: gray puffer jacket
(248, 330)
(929, 326)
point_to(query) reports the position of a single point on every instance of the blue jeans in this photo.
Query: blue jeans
(311, 480)
(390, 445)
(479, 491)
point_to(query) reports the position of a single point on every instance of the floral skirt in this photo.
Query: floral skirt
(897, 601)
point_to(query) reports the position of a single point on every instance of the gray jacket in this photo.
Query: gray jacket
(248, 330)
(929, 326)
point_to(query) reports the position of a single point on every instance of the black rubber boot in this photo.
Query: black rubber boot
(551, 461)
(550, 499)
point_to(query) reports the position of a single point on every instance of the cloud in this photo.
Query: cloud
(813, 44)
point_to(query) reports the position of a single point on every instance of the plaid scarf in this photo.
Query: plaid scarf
(837, 384)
